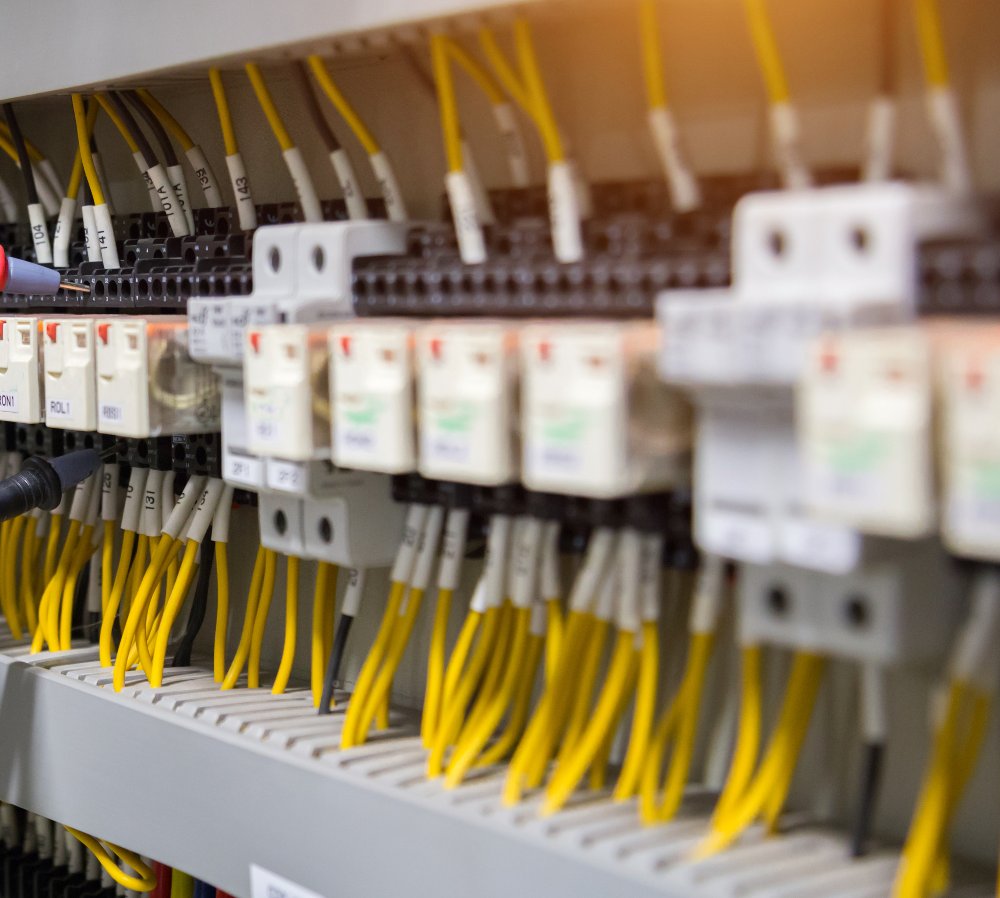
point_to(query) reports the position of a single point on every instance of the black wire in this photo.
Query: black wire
(24, 160)
(329, 139)
(153, 123)
(199, 604)
(135, 132)
(336, 657)
(871, 776)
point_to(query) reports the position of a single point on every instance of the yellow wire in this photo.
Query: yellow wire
(86, 157)
(323, 596)
(107, 562)
(476, 72)
(10, 150)
(181, 885)
(572, 766)
(553, 635)
(347, 112)
(932, 42)
(225, 116)
(453, 711)
(380, 691)
(679, 724)
(369, 670)
(267, 105)
(166, 119)
(652, 54)
(475, 735)
(773, 775)
(521, 705)
(459, 654)
(584, 688)
(84, 549)
(747, 739)
(534, 750)
(450, 128)
(642, 717)
(76, 173)
(112, 114)
(532, 76)
(8, 596)
(137, 612)
(493, 678)
(145, 640)
(171, 609)
(51, 546)
(766, 48)
(221, 611)
(505, 73)
(260, 619)
(55, 587)
(115, 597)
(35, 154)
(27, 588)
(144, 882)
(253, 597)
(599, 766)
(291, 626)
(435, 668)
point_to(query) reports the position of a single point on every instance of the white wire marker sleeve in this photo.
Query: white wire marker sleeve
(223, 512)
(90, 233)
(551, 587)
(880, 139)
(177, 178)
(40, 233)
(456, 531)
(484, 208)
(104, 228)
(599, 552)
(684, 190)
(63, 232)
(787, 141)
(204, 512)
(245, 209)
(207, 181)
(392, 196)
(630, 551)
(652, 553)
(7, 202)
(167, 498)
(512, 135)
(946, 122)
(468, 231)
(707, 599)
(185, 504)
(495, 569)
(149, 517)
(564, 213)
(350, 187)
(416, 516)
(168, 201)
(134, 496)
(304, 188)
(526, 554)
(140, 163)
(355, 590)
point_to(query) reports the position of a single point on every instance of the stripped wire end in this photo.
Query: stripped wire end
(79, 288)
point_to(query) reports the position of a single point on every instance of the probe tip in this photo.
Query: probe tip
(79, 288)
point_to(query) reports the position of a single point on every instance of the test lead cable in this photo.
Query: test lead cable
(238, 179)
(343, 168)
(29, 278)
(311, 210)
(36, 211)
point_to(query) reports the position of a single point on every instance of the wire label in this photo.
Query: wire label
(265, 884)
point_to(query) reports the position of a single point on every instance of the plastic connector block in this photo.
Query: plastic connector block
(357, 525)
(21, 370)
(806, 262)
(467, 401)
(372, 393)
(281, 523)
(902, 610)
(148, 384)
(70, 373)
(198, 454)
(287, 391)
(595, 419)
